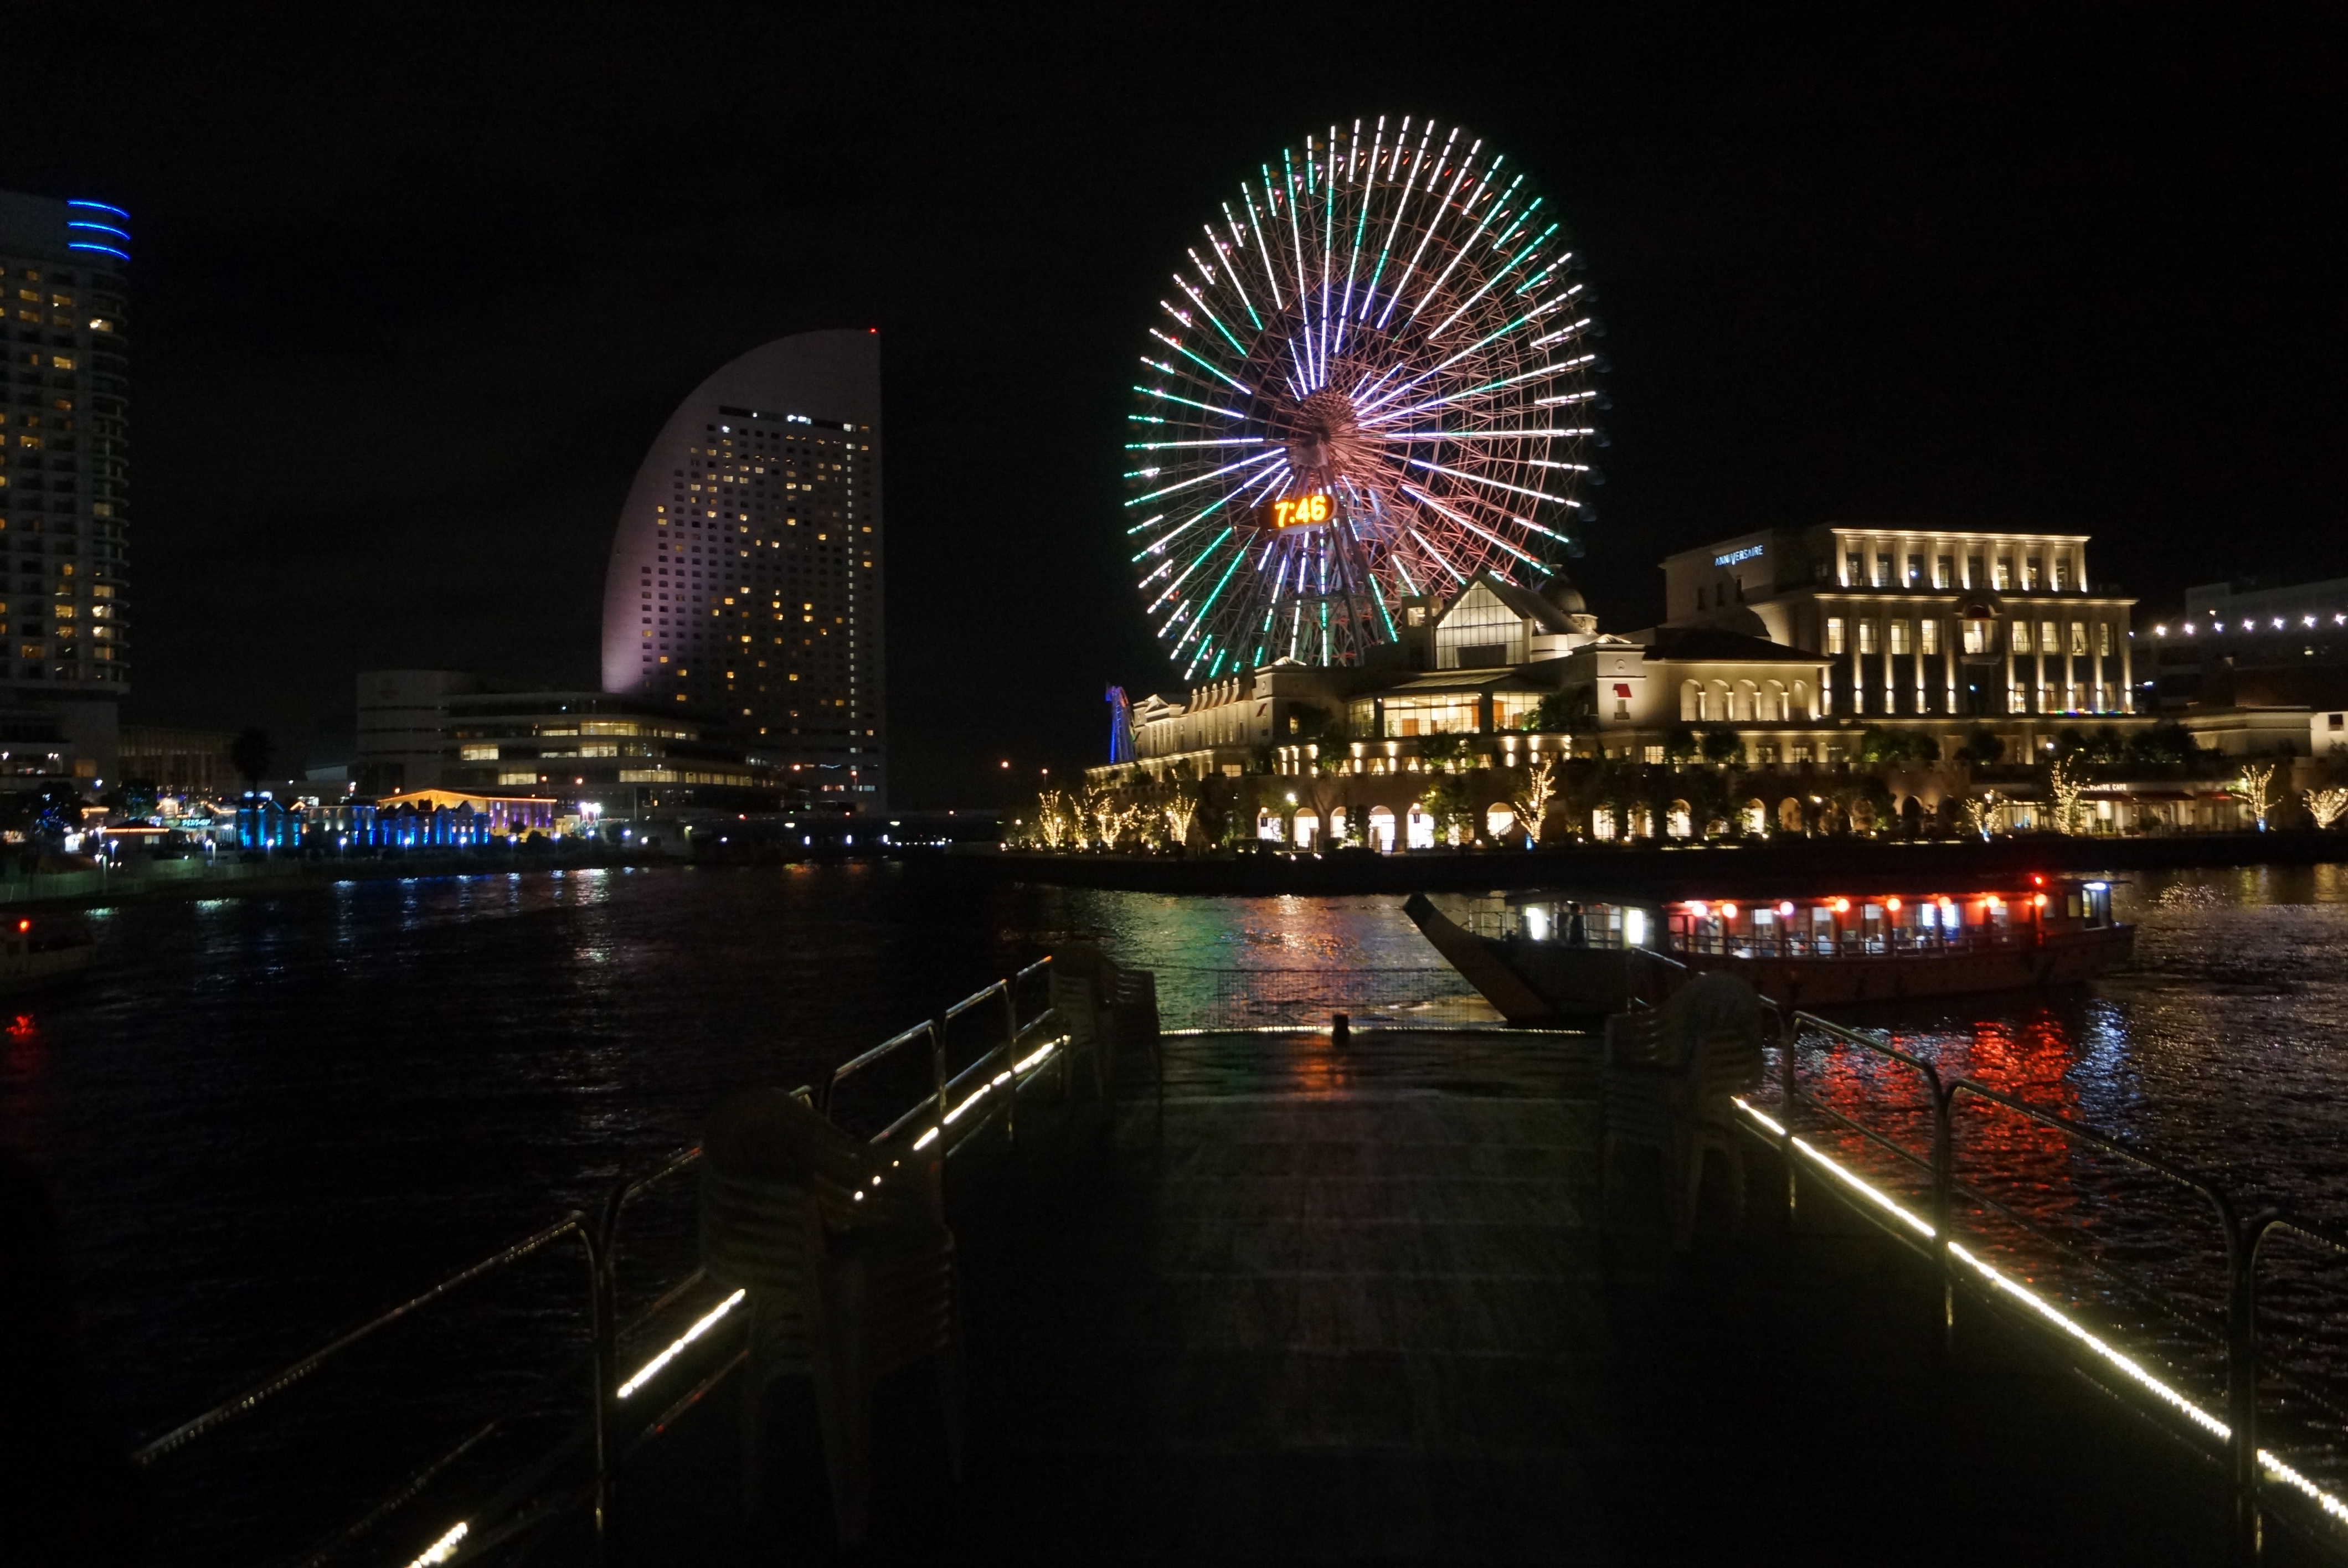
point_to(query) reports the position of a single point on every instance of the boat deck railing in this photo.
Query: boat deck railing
(1926, 941)
(971, 1060)
(1604, 929)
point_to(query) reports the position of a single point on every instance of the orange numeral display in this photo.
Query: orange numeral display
(1302, 510)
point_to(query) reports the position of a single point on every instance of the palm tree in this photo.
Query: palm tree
(251, 753)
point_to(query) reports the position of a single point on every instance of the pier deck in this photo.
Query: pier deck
(1357, 1304)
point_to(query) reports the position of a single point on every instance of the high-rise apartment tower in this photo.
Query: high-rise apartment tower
(745, 573)
(65, 439)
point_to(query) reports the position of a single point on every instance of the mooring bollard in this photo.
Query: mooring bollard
(1337, 1030)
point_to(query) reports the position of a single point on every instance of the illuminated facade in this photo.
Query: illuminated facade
(64, 470)
(616, 755)
(1494, 663)
(745, 577)
(1920, 625)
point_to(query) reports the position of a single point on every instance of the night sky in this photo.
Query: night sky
(408, 305)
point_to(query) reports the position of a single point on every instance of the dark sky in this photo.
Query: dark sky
(408, 303)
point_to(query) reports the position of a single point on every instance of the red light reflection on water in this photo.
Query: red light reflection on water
(2018, 1160)
(26, 1053)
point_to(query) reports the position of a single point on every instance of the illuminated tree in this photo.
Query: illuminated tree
(2325, 806)
(2066, 778)
(1054, 820)
(1107, 818)
(1370, 382)
(1181, 809)
(1981, 814)
(1532, 806)
(1446, 802)
(2255, 790)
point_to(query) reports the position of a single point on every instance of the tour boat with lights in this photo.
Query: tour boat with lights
(1544, 959)
(37, 951)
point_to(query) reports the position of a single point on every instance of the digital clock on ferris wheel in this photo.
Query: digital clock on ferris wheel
(1296, 511)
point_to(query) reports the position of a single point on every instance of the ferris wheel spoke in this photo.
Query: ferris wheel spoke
(1435, 225)
(1193, 402)
(1184, 375)
(1265, 482)
(1437, 556)
(1475, 527)
(1327, 239)
(1361, 221)
(1402, 204)
(1481, 344)
(1552, 369)
(1306, 368)
(1572, 329)
(1494, 484)
(1231, 269)
(1467, 245)
(1196, 562)
(1211, 473)
(1263, 249)
(1199, 300)
(1416, 435)
(1533, 246)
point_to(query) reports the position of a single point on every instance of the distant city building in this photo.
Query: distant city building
(617, 755)
(1782, 647)
(191, 763)
(1955, 625)
(745, 577)
(2254, 668)
(403, 739)
(65, 473)
(1497, 661)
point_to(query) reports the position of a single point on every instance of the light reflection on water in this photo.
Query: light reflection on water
(2222, 1051)
(266, 1116)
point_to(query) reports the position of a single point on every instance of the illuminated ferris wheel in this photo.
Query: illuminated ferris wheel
(1372, 381)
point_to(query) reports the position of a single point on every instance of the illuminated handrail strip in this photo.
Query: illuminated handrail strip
(2000, 1280)
(599, 1244)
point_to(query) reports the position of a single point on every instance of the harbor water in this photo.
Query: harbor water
(262, 1118)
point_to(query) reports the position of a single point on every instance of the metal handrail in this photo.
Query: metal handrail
(2243, 1235)
(600, 1242)
(228, 1410)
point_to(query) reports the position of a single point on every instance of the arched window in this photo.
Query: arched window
(1382, 829)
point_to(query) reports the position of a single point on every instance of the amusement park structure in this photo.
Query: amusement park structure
(1372, 381)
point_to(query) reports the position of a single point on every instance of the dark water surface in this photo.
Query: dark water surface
(266, 1117)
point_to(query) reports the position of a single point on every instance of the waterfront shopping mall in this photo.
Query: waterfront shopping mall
(1940, 657)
